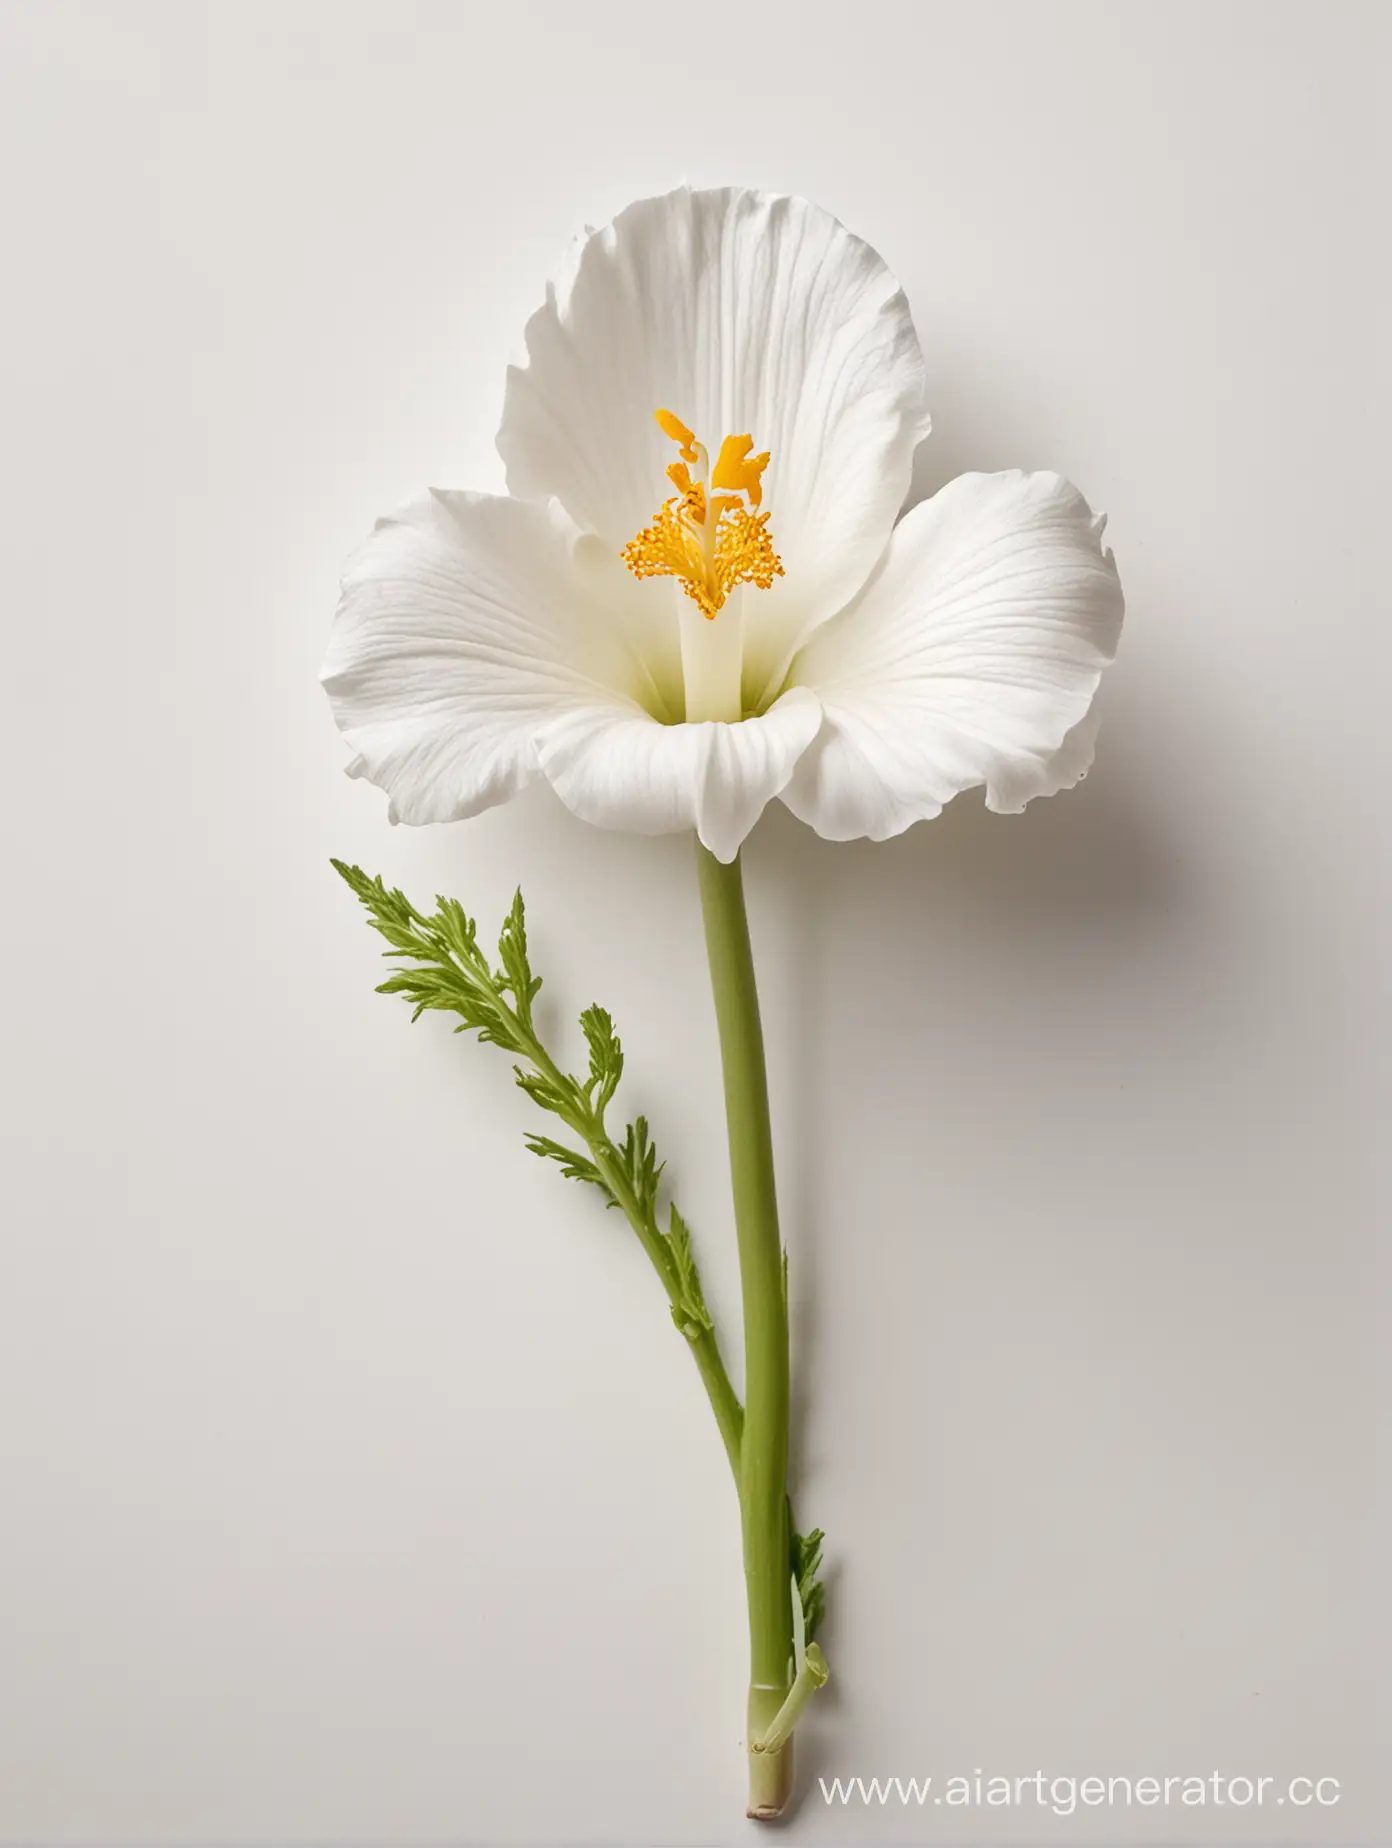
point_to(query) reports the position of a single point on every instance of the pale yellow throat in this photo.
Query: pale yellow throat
(710, 534)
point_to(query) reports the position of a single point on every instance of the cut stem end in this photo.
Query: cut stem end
(770, 1772)
(770, 1783)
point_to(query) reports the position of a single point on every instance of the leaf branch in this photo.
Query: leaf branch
(443, 969)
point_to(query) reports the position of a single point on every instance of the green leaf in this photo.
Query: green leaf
(515, 977)
(448, 973)
(543, 1090)
(641, 1166)
(459, 934)
(573, 1165)
(689, 1311)
(606, 1056)
(438, 967)
(807, 1563)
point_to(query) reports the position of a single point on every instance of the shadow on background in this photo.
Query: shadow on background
(943, 976)
(1077, 885)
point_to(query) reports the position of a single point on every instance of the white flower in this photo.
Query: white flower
(672, 643)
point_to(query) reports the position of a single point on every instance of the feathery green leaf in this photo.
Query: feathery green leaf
(807, 1563)
(689, 1311)
(515, 977)
(439, 967)
(641, 1166)
(574, 1166)
(606, 1056)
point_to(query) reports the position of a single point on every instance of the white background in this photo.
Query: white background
(356, 1486)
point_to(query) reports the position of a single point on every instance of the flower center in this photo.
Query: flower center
(710, 534)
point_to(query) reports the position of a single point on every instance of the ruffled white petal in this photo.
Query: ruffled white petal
(1028, 777)
(461, 626)
(626, 772)
(481, 642)
(972, 657)
(739, 311)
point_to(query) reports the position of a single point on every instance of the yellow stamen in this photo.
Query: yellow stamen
(677, 430)
(709, 541)
(736, 468)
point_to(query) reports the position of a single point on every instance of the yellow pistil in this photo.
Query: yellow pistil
(709, 534)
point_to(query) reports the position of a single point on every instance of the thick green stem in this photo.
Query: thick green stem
(811, 1676)
(764, 1447)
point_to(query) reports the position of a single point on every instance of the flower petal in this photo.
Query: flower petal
(1025, 778)
(971, 657)
(621, 770)
(465, 622)
(482, 641)
(742, 313)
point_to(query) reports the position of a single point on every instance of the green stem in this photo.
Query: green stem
(729, 1413)
(764, 1447)
(705, 1350)
(811, 1676)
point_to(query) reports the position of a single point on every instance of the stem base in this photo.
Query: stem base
(770, 1773)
